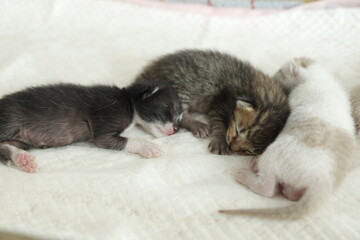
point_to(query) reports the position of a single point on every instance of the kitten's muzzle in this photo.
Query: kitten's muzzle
(173, 131)
(168, 130)
(235, 146)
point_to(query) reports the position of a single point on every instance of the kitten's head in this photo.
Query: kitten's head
(251, 130)
(157, 108)
(289, 74)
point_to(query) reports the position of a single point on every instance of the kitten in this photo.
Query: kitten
(57, 115)
(315, 149)
(247, 109)
(355, 104)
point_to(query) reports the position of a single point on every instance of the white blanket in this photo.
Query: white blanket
(83, 192)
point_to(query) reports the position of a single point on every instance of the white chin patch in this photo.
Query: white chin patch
(156, 129)
(159, 130)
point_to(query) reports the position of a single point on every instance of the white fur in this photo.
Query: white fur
(144, 148)
(290, 160)
(243, 104)
(22, 159)
(155, 128)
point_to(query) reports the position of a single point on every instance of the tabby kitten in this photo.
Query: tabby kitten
(247, 109)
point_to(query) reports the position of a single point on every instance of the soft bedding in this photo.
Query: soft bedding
(83, 192)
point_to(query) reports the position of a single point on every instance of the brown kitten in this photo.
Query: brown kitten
(223, 87)
(252, 129)
(239, 128)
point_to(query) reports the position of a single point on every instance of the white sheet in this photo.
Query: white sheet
(82, 192)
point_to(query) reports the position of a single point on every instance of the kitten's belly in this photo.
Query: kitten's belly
(54, 135)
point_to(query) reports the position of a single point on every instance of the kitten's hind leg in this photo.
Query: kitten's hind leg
(22, 159)
(264, 185)
(141, 147)
(292, 193)
(197, 128)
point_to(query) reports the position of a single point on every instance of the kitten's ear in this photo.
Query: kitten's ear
(244, 103)
(151, 91)
(294, 68)
(304, 61)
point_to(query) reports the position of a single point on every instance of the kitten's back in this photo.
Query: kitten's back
(321, 96)
(206, 72)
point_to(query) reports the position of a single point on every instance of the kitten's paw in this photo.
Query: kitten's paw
(25, 161)
(219, 147)
(242, 175)
(143, 148)
(199, 129)
(150, 150)
(254, 164)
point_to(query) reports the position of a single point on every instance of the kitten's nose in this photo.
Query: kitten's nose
(234, 146)
(172, 131)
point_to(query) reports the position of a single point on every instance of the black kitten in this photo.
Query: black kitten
(56, 115)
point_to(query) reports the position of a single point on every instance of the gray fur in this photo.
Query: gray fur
(211, 82)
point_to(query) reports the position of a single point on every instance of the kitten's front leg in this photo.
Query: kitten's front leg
(219, 116)
(198, 128)
(254, 164)
(141, 147)
(218, 128)
(144, 148)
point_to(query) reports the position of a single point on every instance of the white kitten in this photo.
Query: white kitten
(355, 103)
(314, 150)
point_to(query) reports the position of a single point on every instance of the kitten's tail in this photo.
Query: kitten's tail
(314, 196)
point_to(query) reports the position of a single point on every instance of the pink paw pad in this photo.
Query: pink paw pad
(242, 175)
(25, 161)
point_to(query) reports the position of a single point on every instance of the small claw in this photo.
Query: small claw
(199, 129)
(219, 148)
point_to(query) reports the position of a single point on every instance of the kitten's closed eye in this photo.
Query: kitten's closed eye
(238, 137)
(251, 130)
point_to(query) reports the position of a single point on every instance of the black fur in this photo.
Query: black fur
(56, 115)
(163, 107)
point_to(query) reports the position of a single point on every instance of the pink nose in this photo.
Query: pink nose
(171, 132)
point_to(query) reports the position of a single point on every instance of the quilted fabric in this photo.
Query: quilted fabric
(82, 192)
(245, 3)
